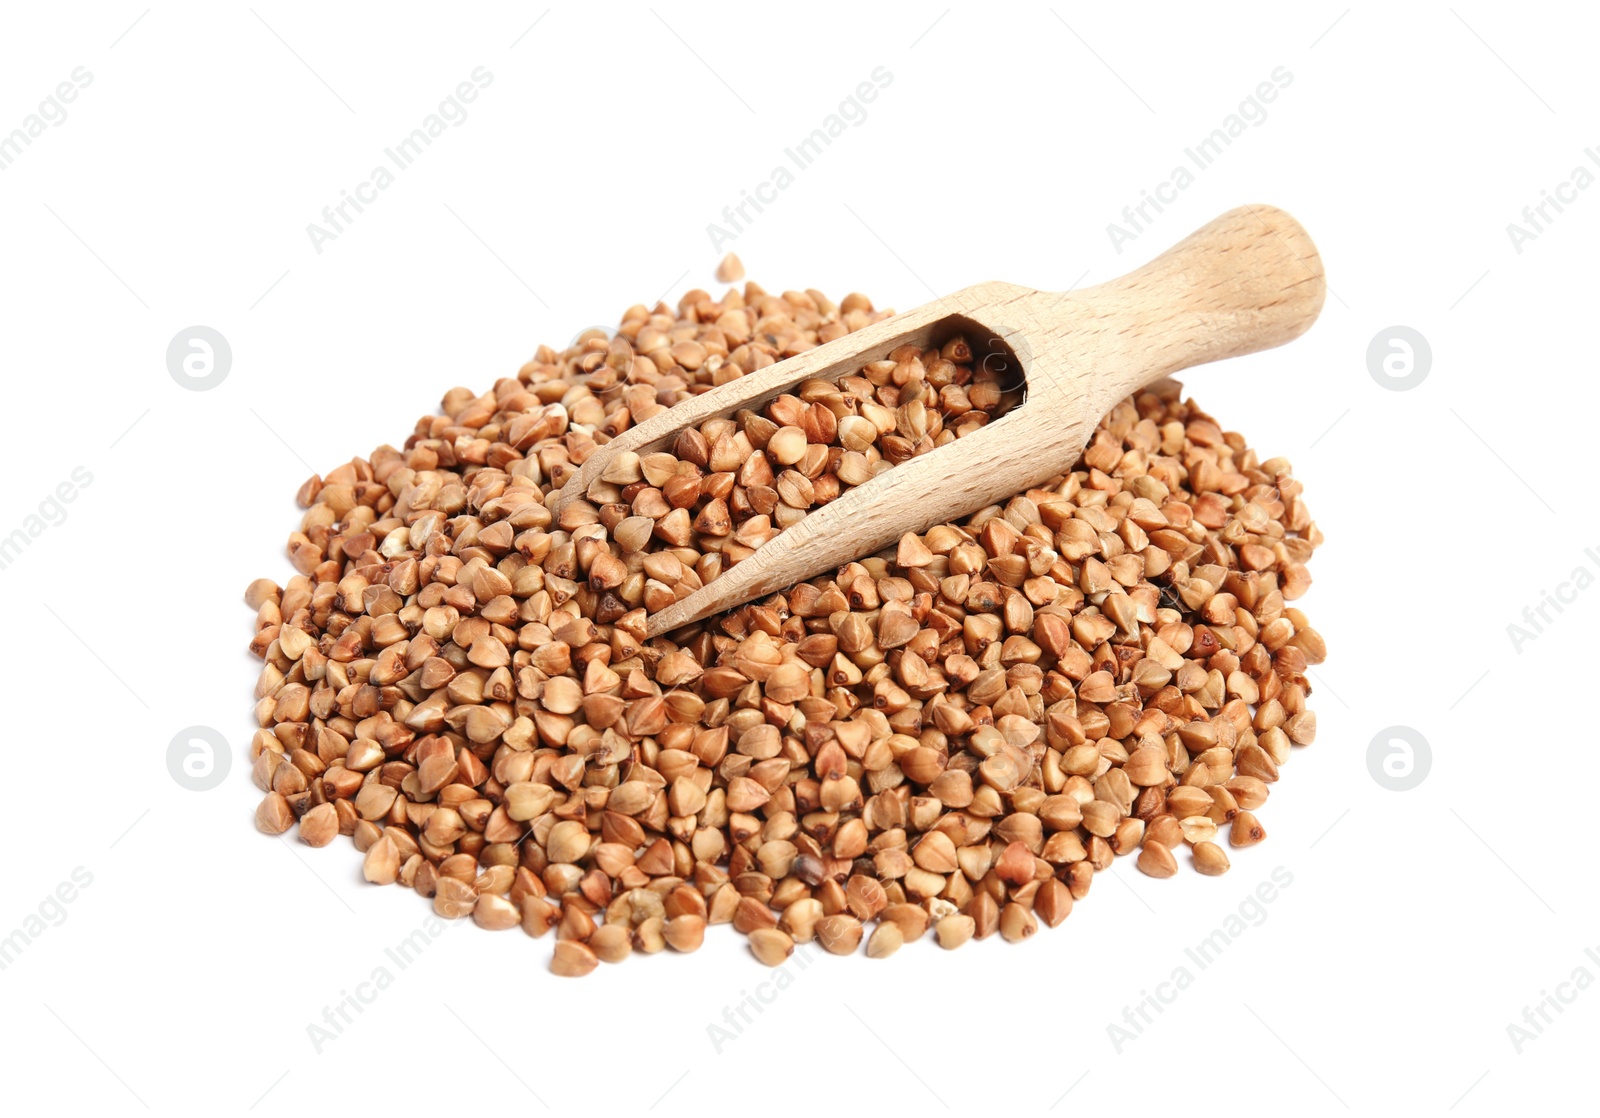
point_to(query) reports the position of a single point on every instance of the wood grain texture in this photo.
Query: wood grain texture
(1248, 281)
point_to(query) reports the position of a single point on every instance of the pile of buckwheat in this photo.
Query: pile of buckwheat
(955, 734)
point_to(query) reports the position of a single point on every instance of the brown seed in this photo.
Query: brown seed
(375, 799)
(611, 943)
(1128, 835)
(1302, 727)
(495, 913)
(572, 959)
(730, 269)
(935, 853)
(454, 898)
(865, 897)
(911, 919)
(649, 938)
(1101, 817)
(382, 864)
(771, 946)
(526, 801)
(1253, 761)
(1210, 859)
(1223, 806)
(319, 826)
(1016, 865)
(1017, 923)
(801, 918)
(787, 446)
(1310, 642)
(273, 815)
(263, 768)
(1147, 766)
(691, 355)
(575, 924)
(924, 765)
(985, 913)
(1165, 829)
(569, 841)
(1186, 801)
(953, 930)
(685, 933)
(912, 552)
(1000, 772)
(746, 795)
(1053, 902)
(264, 590)
(885, 940)
(538, 915)
(1248, 792)
(840, 934)
(1246, 831)
(1080, 876)
(1156, 860)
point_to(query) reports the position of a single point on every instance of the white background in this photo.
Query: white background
(177, 192)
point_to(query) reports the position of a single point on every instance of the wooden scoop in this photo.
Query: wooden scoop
(1248, 281)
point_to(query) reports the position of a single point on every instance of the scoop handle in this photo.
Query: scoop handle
(1247, 281)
